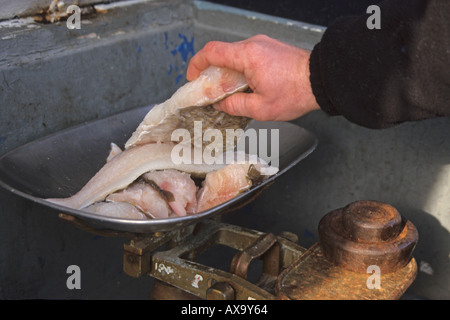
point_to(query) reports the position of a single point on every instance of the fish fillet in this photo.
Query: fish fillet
(124, 168)
(224, 184)
(125, 182)
(144, 197)
(117, 210)
(180, 185)
(192, 102)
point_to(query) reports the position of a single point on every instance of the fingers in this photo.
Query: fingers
(216, 53)
(241, 104)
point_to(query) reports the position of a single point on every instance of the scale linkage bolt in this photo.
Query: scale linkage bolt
(289, 236)
(220, 291)
(366, 233)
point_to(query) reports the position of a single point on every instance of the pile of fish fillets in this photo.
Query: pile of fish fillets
(143, 181)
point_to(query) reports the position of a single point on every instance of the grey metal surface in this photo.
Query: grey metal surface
(23, 8)
(53, 78)
(60, 164)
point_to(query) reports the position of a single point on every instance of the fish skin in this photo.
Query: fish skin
(146, 198)
(114, 151)
(212, 85)
(124, 169)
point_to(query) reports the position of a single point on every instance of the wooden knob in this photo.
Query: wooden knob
(366, 233)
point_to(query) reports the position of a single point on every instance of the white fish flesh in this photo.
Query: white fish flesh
(180, 186)
(117, 210)
(224, 184)
(146, 198)
(117, 182)
(135, 183)
(182, 109)
(125, 168)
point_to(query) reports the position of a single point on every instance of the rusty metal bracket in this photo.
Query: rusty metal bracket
(267, 248)
(241, 261)
(176, 266)
(314, 277)
(324, 271)
(137, 256)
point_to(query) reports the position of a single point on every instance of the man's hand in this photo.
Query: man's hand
(277, 73)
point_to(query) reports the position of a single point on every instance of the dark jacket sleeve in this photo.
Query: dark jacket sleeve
(378, 78)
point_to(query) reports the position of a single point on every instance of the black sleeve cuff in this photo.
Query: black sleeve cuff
(317, 85)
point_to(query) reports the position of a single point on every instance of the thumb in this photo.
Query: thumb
(238, 104)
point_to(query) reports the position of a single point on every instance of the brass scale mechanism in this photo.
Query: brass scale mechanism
(364, 252)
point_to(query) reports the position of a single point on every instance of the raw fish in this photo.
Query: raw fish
(115, 150)
(117, 210)
(180, 185)
(143, 180)
(226, 183)
(125, 168)
(145, 197)
(192, 102)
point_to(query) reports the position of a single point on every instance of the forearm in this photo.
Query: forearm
(379, 78)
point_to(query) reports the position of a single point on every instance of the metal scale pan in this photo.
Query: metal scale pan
(60, 164)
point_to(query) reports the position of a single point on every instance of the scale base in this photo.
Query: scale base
(289, 271)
